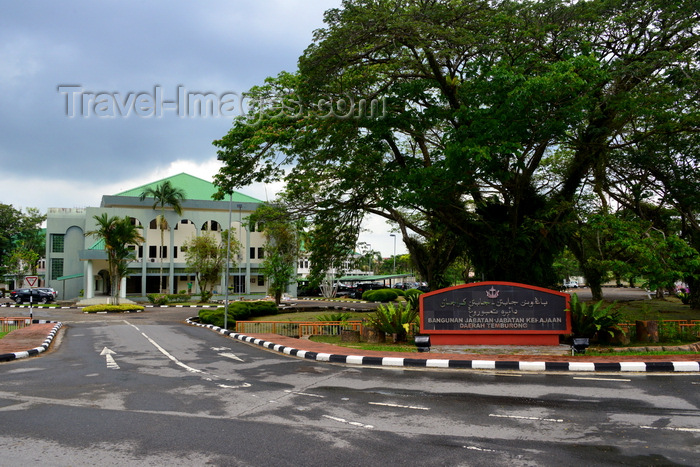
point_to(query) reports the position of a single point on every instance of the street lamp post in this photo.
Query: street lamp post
(394, 235)
(228, 258)
(369, 259)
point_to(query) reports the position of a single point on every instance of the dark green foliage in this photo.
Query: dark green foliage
(237, 311)
(158, 299)
(412, 297)
(394, 319)
(381, 295)
(334, 317)
(216, 318)
(593, 320)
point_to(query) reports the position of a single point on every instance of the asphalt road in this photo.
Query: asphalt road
(147, 389)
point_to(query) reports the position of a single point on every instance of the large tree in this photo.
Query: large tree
(283, 237)
(22, 243)
(474, 102)
(164, 195)
(119, 235)
(206, 258)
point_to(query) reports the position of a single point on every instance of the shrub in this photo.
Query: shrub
(394, 319)
(380, 295)
(216, 318)
(262, 308)
(204, 297)
(593, 320)
(242, 311)
(158, 299)
(178, 298)
(412, 297)
(684, 296)
(112, 308)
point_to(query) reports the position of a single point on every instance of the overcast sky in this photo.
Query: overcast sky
(92, 92)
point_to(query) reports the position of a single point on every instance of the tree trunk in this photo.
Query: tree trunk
(694, 289)
(647, 331)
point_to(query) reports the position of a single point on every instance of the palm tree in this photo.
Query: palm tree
(164, 195)
(117, 234)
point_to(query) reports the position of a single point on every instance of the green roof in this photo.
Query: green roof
(194, 188)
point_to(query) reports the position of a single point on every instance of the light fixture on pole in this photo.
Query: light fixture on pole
(228, 257)
(369, 259)
(240, 227)
(394, 235)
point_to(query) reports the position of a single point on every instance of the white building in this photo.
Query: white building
(76, 264)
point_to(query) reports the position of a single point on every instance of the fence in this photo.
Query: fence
(297, 329)
(10, 324)
(670, 328)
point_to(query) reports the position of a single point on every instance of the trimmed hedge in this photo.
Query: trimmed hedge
(380, 295)
(238, 311)
(159, 299)
(112, 308)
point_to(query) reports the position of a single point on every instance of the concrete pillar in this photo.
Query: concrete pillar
(89, 280)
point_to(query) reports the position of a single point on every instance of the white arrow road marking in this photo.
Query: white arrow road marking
(186, 367)
(111, 363)
(226, 354)
(230, 355)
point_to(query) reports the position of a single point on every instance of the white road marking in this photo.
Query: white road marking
(187, 367)
(342, 420)
(519, 417)
(304, 394)
(111, 363)
(670, 428)
(474, 448)
(399, 406)
(230, 355)
(602, 379)
(226, 386)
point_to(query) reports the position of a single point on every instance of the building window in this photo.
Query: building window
(261, 280)
(261, 253)
(57, 243)
(140, 251)
(152, 251)
(252, 252)
(174, 252)
(56, 268)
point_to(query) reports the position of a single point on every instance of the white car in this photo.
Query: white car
(569, 284)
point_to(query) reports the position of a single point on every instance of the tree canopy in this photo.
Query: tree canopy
(21, 241)
(118, 234)
(476, 126)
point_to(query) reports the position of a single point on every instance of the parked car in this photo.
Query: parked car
(570, 284)
(359, 289)
(37, 295)
(49, 290)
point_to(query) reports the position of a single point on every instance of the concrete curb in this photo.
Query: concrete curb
(37, 350)
(438, 363)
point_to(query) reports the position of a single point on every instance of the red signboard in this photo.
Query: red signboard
(495, 313)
